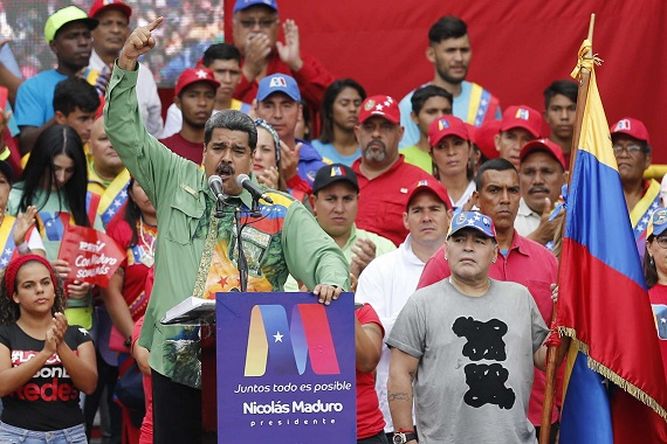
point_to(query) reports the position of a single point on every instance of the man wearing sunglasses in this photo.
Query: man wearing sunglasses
(255, 27)
(632, 150)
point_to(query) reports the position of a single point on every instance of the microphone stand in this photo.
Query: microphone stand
(242, 262)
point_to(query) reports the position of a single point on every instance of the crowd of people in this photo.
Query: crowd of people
(442, 210)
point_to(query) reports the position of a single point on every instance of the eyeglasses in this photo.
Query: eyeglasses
(662, 241)
(263, 24)
(630, 149)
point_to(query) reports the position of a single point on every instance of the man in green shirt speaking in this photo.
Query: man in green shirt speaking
(196, 251)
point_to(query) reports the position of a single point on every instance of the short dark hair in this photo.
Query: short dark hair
(330, 95)
(221, 51)
(497, 164)
(447, 27)
(232, 120)
(73, 93)
(421, 95)
(567, 88)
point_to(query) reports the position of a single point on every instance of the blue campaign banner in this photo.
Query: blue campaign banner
(285, 369)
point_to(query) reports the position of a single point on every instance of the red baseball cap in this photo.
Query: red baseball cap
(446, 126)
(194, 75)
(522, 116)
(632, 127)
(485, 138)
(544, 145)
(383, 106)
(432, 185)
(102, 5)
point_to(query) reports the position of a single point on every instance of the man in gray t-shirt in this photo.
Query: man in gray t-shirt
(468, 343)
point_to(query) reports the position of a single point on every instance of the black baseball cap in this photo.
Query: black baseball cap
(336, 172)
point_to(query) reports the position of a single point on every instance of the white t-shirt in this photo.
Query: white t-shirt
(386, 284)
(526, 220)
(147, 95)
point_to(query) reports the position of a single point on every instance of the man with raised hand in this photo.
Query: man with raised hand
(194, 256)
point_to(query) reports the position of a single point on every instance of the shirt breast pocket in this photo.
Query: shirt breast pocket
(392, 211)
(185, 215)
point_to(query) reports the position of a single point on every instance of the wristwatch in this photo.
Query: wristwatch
(402, 438)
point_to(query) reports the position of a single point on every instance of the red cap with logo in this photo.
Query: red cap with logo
(544, 145)
(522, 116)
(432, 185)
(102, 5)
(383, 106)
(194, 75)
(485, 138)
(446, 126)
(632, 127)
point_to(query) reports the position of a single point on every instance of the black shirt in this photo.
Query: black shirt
(49, 401)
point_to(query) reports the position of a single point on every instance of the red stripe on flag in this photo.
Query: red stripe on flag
(634, 422)
(612, 316)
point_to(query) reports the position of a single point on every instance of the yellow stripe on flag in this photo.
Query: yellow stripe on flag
(473, 104)
(595, 137)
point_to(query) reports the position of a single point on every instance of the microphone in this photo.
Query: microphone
(244, 181)
(215, 185)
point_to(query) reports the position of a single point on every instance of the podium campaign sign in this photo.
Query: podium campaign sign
(285, 368)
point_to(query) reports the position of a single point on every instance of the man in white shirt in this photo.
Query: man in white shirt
(388, 281)
(108, 39)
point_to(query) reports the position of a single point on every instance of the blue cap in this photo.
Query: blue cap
(278, 83)
(240, 5)
(474, 220)
(658, 223)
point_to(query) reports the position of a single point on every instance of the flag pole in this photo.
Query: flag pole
(552, 350)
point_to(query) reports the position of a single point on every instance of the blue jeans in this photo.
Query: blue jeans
(16, 435)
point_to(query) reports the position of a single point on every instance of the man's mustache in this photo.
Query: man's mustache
(226, 169)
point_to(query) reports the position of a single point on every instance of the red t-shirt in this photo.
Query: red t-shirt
(193, 151)
(136, 263)
(531, 265)
(313, 79)
(370, 421)
(658, 296)
(382, 200)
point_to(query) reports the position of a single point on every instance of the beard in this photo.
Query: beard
(444, 74)
(375, 151)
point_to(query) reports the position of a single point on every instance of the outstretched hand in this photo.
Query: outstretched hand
(138, 43)
(290, 52)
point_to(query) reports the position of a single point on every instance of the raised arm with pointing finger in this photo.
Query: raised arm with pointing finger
(196, 252)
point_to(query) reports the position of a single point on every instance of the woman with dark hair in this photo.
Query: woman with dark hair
(41, 353)
(655, 273)
(55, 181)
(340, 114)
(125, 297)
(451, 150)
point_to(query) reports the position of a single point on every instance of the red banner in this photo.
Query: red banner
(92, 255)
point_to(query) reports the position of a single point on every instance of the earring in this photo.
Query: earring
(445, 257)
(651, 261)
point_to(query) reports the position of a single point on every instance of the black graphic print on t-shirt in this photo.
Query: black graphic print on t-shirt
(486, 383)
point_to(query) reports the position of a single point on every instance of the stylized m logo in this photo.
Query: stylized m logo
(285, 348)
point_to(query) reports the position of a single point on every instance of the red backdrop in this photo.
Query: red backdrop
(519, 47)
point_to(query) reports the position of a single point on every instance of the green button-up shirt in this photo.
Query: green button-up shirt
(179, 191)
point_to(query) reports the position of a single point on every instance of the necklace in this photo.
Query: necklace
(147, 248)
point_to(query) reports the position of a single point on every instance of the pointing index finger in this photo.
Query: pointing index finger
(155, 23)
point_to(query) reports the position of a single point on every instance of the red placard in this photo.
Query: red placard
(92, 255)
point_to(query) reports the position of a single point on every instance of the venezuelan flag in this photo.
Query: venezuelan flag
(615, 387)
